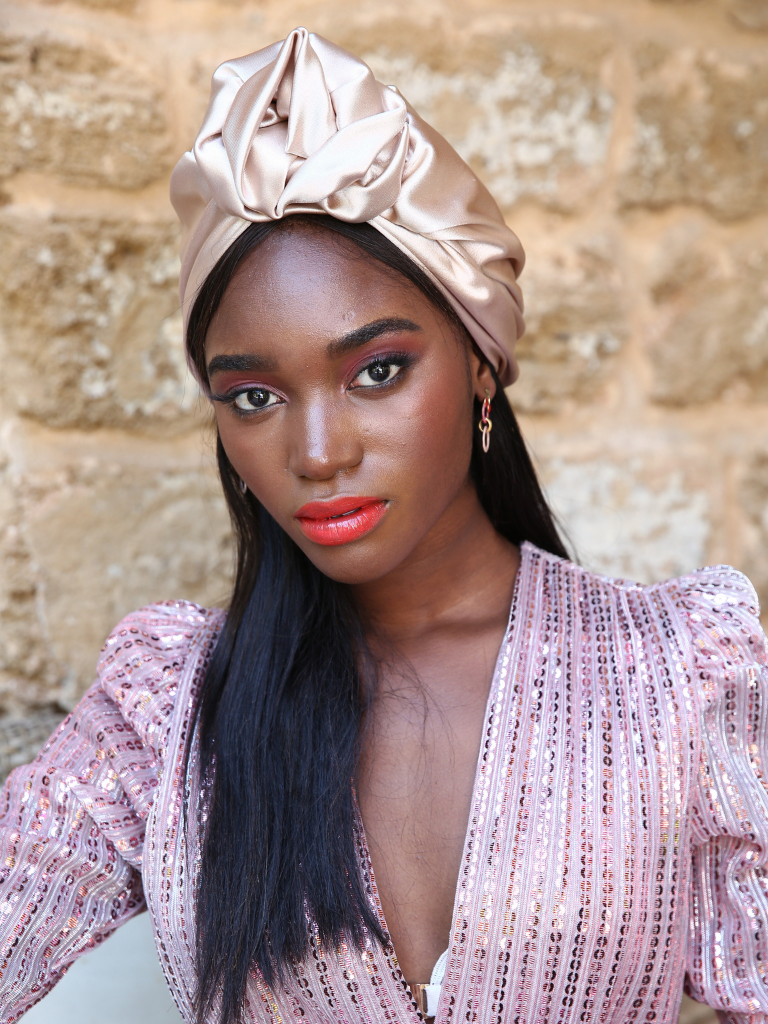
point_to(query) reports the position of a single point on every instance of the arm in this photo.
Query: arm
(727, 964)
(70, 852)
(72, 822)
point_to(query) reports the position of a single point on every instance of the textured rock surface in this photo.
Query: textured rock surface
(526, 110)
(28, 676)
(702, 132)
(627, 520)
(712, 324)
(575, 323)
(99, 527)
(74, 112)
(103, 5)
(91, 307)
(170, 541)
(754, 496)
(750, 14)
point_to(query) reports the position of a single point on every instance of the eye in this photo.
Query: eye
(380, 372)
(258, 398)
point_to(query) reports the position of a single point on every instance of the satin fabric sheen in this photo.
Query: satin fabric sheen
(617, 840)
(302, 126)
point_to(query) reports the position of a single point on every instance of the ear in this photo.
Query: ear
(482, 378)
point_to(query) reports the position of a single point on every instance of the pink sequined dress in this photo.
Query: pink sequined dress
(617, 842)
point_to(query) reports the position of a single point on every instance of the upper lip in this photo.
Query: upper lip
(333, 507)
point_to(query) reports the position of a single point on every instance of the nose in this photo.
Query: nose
(325, 442)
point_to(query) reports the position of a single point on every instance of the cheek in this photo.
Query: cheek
(431, 442)
(251, 454)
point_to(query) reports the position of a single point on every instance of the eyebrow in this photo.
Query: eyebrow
(339, 347)
(369, 332)
(240, 364)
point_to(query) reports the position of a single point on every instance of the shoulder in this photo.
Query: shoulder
(715, 609)
(721, 612)
(719, 589)
(150, 656)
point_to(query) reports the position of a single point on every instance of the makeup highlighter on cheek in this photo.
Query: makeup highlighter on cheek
(341, 520)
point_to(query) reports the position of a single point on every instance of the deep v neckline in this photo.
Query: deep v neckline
(474, 821)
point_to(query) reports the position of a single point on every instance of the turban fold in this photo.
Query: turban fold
(302, 126)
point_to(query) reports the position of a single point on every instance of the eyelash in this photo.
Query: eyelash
(401, 359)
(232, 397)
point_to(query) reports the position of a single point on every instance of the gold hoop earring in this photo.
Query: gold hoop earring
(485, 421)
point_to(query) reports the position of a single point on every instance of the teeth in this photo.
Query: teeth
(342, 514)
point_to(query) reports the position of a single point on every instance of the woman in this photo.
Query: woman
(425, 766)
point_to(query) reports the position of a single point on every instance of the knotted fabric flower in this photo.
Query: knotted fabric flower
(302, 126)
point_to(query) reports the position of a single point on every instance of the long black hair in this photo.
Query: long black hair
(286, 692)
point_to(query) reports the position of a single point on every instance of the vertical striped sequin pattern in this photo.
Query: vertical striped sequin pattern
(617, 845)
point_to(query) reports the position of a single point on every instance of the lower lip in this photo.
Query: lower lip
(346, 528)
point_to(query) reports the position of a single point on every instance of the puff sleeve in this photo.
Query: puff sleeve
(72, 822)
(727, 962)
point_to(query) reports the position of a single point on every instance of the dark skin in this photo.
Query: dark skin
(351, 383)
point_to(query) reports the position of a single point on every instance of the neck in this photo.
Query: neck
(463, 571)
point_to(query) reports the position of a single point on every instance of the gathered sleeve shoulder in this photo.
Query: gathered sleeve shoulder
(72, 821)
(727, 965)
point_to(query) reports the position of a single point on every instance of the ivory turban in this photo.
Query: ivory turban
(302, 126)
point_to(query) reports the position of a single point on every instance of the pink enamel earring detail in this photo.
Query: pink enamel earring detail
(485, 421)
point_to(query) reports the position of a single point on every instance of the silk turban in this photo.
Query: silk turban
(302, 126)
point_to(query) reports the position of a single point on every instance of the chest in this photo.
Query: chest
(416, 779)
(415, 793)
(571, 886)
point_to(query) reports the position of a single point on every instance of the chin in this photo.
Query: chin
(353, 563)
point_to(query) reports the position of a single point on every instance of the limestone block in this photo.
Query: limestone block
(754, 504)
(750, 14)
(114, 524)
(631, 518)
(701, 133)
(90, 314)
(692, 1012)
(526, 110)
(123, 6)
(710, 333)
(29, 675)
(75, 113)
(22, 738)
(575, 324)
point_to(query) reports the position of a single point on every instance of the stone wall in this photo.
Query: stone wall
(627, 141)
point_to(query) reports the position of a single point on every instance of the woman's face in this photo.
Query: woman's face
(343, 400)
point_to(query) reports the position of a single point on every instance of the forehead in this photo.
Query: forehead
(311, 282)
